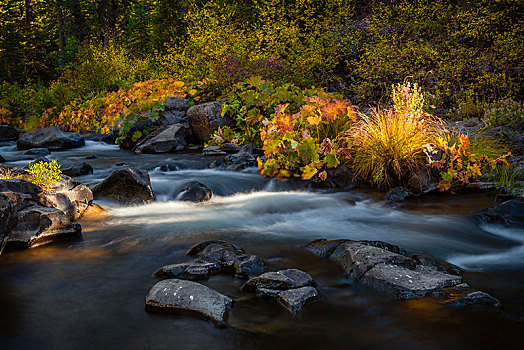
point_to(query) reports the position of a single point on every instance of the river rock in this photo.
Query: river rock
(8, 219)
(204, 119)
(21, 200)
(477, 299)
(213, 257)
(109, 138)
(235, 162)
(51, 138)
(128, 185)
(387, 268)
(279, 280)
(40, 225)
(59, 201)
(8, 133)
(2, 159)
(20, 186)
(508, 213)
(80, 196)
(175, 110)
(213, 151)
(230, 148)
(190, 270)
(195, 191)
(397, 194)
(40, 152)
(295, 299)
(78, 169)
(163, 140)
(182, 296)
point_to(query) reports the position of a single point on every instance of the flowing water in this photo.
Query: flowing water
(90, 294)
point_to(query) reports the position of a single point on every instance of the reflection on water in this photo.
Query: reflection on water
(90, 294)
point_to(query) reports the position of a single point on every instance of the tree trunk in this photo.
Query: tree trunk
(61, 29)
(29, 13)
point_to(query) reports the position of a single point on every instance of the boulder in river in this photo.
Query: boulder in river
(109, 138)
(387, 268)
(235, 162)
(163, 140)
(80, 196)
(51, 138)
(78, 169)
(204, 119)
(175, 110)
(477, 299)
(181, 296)
(40, 152)
(507, 213)
(20, 186)
(127, 185)
(40, 225)
(8, 133)
(397, 194)
(195, 191)
(214, 257)
(8, 219)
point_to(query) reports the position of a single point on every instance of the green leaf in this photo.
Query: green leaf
(308, 150)
(331, 160)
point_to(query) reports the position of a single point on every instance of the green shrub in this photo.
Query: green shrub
(44, 174)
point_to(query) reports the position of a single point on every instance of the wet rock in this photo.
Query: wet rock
(8, 219)
(339, 177)
(213, 151)
(109, 138)
(59, 201)
(235, 162)
(163, 140)
(175, 110)
(357, 259)
(182, 296)
(477, 299)
(40, 152)
(246, 266)
(94, 209)
(206, 249)
(2, 159)
(230, 148)
(508, 213)
(190, 270)
(51, 138)
(404, 283)
(145, 127)
(386, 267)
(194, 191)
(20, 186)
(204, 119)
(40, 225)
(92, 156)
(41, 159)
(78, 169)
(397, 194)
(295, 299)
(20, 200)
(128, 185)
(279, 280)
(8, 133)
(80, 196)
(422, 182)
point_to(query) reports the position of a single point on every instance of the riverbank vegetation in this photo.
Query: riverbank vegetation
(294, 74)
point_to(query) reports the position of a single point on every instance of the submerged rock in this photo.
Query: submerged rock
(40, 225)
(477, 299)
(295, 299)
(163, 140)
(190, 270)
(78, 169)
(397, 194)
(51, 138)
(195, 191)
(182, 296)
(128, 185)
(204, 119)
(8, 133)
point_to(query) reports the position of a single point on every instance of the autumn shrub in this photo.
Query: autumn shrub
(460, 166)
(111, 111)
(502, 112)
(387, 146)
(309, 141)
(44, 174)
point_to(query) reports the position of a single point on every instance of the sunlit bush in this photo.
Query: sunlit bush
(44, 174)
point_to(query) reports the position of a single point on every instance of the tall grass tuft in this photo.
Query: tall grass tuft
(388, 145)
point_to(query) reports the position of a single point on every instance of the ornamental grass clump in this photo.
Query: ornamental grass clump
(388, 145)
